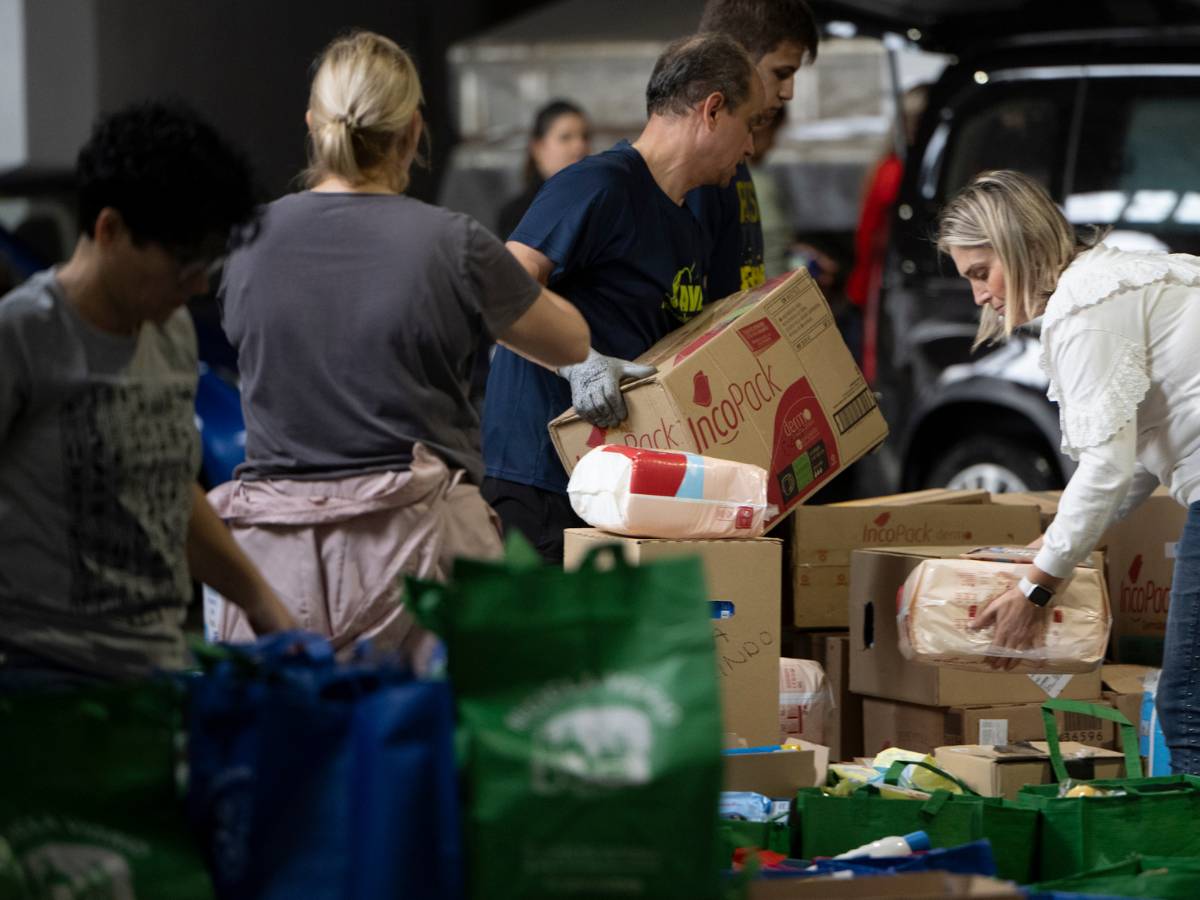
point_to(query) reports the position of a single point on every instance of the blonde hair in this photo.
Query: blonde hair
(1013, 215)
(364, 97)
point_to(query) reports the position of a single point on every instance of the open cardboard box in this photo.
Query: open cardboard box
(878, 669)
(776, 773)
(1003, 770)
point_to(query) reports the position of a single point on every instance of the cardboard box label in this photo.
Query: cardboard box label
(1052, 684)
(993, 732)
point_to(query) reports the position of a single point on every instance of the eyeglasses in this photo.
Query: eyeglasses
(209, 267)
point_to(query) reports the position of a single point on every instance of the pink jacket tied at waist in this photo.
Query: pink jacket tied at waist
(336, 551)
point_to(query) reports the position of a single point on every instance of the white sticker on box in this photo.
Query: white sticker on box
(1169, 549)
(993, 732)
(1052, 684)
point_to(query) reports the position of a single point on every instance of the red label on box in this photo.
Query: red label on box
(745, 517)
(760, 335)
(805, 452)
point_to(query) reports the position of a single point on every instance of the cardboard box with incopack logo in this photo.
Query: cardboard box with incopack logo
(824, 536)
(878, 669)
(1045, 501)
(743, 580)
(1140, 552)
(760, 377)
(887, 723)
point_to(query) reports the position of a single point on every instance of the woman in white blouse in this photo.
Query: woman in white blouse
(1121, 349)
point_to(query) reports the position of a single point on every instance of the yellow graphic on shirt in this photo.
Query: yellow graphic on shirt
(747, 202)
(687, 294)
(753, 276)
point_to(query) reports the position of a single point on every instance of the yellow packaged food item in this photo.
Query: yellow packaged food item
(914, 776)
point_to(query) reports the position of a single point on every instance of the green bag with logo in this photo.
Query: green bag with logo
(1152, 815)
(832, 825)
(590, 720)
(89, 803)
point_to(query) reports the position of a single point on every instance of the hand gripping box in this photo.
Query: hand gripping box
(760, 377)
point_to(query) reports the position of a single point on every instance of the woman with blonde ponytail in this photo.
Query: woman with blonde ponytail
(356, 313)
(1119, 333)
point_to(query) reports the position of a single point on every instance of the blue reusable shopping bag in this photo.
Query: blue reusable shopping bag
(313, 778)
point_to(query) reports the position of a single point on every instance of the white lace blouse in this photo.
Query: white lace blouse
(1121, 348)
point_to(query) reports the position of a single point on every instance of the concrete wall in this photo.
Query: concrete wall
(243, 63)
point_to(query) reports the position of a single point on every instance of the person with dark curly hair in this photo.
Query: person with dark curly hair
(101, 520)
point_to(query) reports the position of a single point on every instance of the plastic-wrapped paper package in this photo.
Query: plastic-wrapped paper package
(663, 494)
(941, 597)
(805, 699)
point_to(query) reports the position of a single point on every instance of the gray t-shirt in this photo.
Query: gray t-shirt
(357, 318)
(98, 455)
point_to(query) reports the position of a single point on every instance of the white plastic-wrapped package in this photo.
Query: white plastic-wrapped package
(941, 597)
(663, 494)
(805, 699)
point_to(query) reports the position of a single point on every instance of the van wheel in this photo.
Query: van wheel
(994, 464)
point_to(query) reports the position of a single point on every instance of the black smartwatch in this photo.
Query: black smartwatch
(1036, 594)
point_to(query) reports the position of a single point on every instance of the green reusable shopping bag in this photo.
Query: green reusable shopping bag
(1155, 815)
(89, 805)
(1163, 878)
(832, 825)
(591, 725)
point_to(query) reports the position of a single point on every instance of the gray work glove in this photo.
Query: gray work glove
(596, 387)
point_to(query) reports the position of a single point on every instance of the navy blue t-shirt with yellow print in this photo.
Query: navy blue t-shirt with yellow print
(630, 259)
(732, 232)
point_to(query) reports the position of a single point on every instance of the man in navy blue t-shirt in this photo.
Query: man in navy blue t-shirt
(611, 234)
(781, 36)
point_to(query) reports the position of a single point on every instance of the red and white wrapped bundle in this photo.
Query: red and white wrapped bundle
(664, 494)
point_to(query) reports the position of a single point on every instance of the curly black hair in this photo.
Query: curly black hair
(174, 180)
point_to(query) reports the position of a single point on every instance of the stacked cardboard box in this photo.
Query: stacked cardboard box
(1045, 501)
(888, 723)
(932, 705)
(823, 537)
(1140, 551)
(745, 574)
(1124, 686)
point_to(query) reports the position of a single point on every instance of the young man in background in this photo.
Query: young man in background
(780, 36)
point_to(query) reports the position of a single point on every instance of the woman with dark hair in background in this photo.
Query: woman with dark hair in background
(561, 135)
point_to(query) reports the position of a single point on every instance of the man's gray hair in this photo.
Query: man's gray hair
(693, 67)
